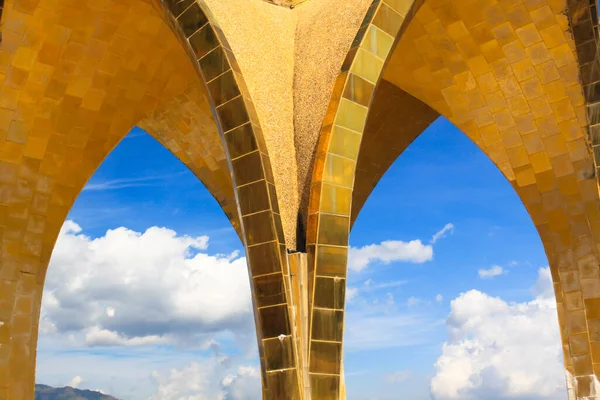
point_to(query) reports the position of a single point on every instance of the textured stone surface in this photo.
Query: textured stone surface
(301, 52)
(286, 3)
(269, 78)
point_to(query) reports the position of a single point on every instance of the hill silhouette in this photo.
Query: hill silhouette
(43, 392)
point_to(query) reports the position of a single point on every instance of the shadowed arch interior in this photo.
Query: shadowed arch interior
(396, 119)
(185, 125)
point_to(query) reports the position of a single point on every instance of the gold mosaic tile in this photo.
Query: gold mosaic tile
(511, 85)
(520, 78)
(71, 97)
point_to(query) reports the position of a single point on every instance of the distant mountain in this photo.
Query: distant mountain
(43, 392)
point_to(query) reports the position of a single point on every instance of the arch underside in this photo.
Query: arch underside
(184, 124)
(396, 119)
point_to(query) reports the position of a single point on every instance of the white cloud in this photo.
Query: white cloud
(200, 381)
(95, 336)
(194, 382)
(389, 251)
(244, 385)
(148, 372)
(351, 293)
(75, 382)
(396, 377)
(492, 272)
(543, 286)
(439, 298)
(129, 288)
(449, 228)
(499, 350)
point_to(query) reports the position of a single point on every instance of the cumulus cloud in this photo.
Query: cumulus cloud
(543, 288)
(95, 336)
(500, 350)
(439, 298)
(492, 272)
(152, 372)
(245, 384)
(75, 382)
(130, 288)
(389, 251)
(448, 229)
(204, 381)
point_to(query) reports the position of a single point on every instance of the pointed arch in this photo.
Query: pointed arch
(513, 86)
(508, 75)
(78, 78)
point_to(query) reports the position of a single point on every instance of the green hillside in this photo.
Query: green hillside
(43, 392)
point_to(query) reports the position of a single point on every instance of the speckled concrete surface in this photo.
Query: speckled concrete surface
(325, 32)
(269, 78)
(301, 51)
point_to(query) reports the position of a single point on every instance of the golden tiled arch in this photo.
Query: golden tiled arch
(237, 89)
(70, 91)
(519, 78)
(76, 80)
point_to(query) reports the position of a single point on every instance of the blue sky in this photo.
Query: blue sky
(412, 307)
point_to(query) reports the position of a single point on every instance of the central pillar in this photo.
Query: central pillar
(298, 282)
(297, 285)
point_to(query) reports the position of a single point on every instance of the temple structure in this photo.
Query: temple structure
(290, 112)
